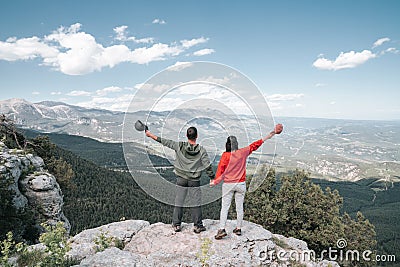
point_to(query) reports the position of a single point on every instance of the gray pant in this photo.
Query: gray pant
(228, 190)
(183, 187)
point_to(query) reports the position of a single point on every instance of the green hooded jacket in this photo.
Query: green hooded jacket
(190, 161)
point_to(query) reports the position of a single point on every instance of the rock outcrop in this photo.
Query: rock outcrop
(83, 244)
(32, 186)
(158, 245)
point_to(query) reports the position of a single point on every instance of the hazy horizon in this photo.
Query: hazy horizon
(124, 111)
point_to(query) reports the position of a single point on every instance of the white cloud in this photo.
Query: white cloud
(332, 102)
(130, 88)
(168, 103)
(156, 52)
(79, 93)
(74, 52)
(107, 90)
(380, 42)
(202, 95)
(284, 97)
(55, 93)
(197, 89)
(204, 52)
(180, 65)
(320, 85)
(189, 95)
(147, 40)
(81, 54)
(159, 21)
(138, 85)
(120, 103)
(344, 60)
(274, 105)
(211, 79)
(392, 50)
(193, 42)
(121, 32)
(276, 102)
(158, 88)
(35, 93)
(122, 35)
(25, 48)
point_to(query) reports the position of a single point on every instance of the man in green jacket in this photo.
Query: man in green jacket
(191, 160)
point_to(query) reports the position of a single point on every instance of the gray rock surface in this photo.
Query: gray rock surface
(107, 259)
(43, 192)
(159, 245)
(31, 185)
(83, 244)
(293, 242)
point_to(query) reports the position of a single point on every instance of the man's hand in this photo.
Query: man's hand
(149, 134)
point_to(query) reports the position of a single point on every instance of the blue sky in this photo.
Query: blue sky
(331, 59)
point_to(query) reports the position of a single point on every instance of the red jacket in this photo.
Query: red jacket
(232, 165)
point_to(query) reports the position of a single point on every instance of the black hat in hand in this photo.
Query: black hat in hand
(139, 126)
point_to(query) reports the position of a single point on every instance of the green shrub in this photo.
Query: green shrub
(104, 241)
(300, 208)
(54, 255)
(9, 248)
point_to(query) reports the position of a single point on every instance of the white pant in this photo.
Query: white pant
(228, 190)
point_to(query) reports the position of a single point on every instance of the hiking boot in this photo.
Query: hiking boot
(237, 231)
(177, 228)
(220, 234)
(199, 229)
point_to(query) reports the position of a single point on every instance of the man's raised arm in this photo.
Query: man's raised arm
(165, 142)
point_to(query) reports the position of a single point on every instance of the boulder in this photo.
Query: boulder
(83, 244)
(44, 193)
(32, 187)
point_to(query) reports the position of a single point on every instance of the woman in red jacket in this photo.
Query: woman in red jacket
(232, 170)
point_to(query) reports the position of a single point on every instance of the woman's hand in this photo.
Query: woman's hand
(269, 136)
(212, 183)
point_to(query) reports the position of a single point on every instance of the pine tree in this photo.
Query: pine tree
(301, 209)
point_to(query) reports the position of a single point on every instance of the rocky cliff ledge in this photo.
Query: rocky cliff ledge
(31, 185)
(158, 245)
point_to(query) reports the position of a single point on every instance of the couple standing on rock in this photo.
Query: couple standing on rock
(191, 159)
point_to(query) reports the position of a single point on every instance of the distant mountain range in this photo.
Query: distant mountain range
(333, 149)
(58, 117)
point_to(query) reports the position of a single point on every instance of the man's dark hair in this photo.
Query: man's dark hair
(191, 133)
(231, 143)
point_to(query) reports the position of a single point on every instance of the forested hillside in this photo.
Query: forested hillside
(104, 154)
(381, 206)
